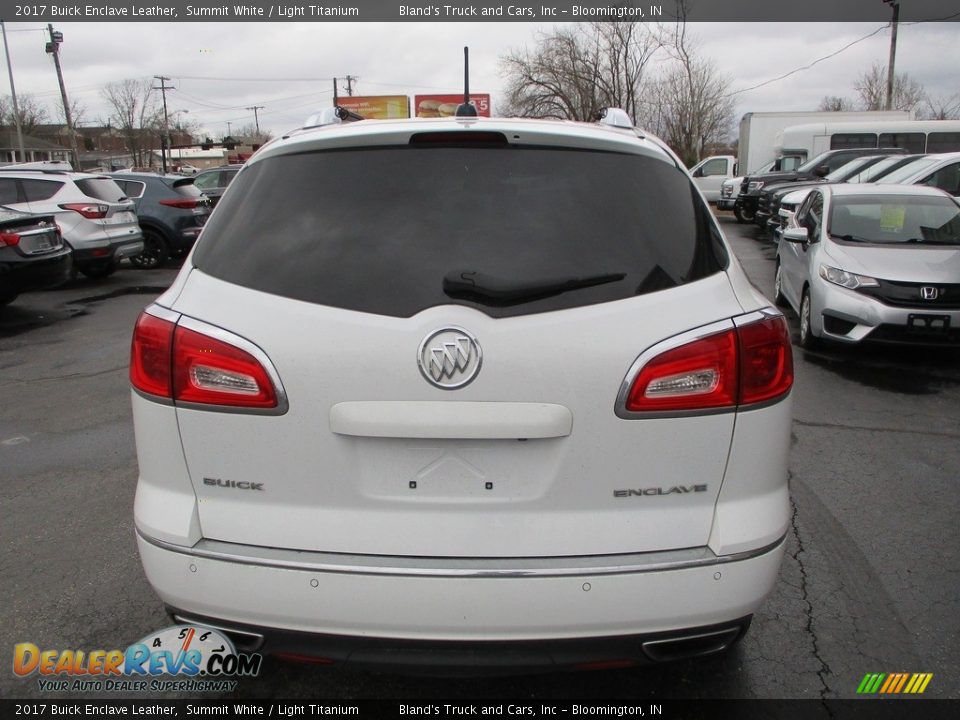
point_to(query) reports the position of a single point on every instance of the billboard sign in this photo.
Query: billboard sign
(377, 107)
(446, 105)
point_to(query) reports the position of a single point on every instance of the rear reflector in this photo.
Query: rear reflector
(741, 366)
(187, 366)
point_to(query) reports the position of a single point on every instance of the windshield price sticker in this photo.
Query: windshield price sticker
(892, 217)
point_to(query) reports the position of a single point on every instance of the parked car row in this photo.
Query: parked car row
(55, 222)
(876, 261)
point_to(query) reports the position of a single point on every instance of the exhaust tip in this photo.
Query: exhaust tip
(690, 646)
(243, 640)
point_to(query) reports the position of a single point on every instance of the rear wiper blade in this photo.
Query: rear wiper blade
(495, 290)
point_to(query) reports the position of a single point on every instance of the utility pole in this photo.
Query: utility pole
(165, 140)
(229, 134)
(350, 80)
(13, 94)
(53, 48)
(256, 120)
(893, 49)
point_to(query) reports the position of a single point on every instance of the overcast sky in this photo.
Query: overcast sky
(218, 69)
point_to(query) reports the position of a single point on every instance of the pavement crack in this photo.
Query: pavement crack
(824, 669)
(864, 428)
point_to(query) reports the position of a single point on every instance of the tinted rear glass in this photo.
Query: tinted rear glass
(187, 188)
(377, 230)
(101, 188)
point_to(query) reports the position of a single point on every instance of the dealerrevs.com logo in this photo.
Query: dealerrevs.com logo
(205, 658)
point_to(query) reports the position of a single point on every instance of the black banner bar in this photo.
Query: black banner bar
(475, 11)
(861, 709)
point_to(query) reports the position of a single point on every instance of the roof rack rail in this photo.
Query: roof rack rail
(332, 116)
(45, 171)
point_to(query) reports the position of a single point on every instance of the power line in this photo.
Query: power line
(808, 66)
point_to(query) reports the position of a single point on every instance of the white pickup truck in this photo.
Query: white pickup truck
(710, 173)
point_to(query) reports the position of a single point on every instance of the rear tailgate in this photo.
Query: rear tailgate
(563, 263)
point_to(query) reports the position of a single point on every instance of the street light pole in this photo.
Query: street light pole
(13, 94)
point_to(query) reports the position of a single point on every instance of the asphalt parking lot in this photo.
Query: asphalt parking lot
(869, 583)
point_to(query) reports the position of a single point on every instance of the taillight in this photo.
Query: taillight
(183, 204)
(151, 355)
(91, 211)
(210, 371)
(738, 366)
(188, 366)
(9, 239)
(766, 361)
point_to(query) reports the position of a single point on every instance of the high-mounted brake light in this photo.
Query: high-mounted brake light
(185, 365)
(738, 366)
(91, 211)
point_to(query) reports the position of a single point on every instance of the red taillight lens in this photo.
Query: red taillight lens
(9, 239)
(745, 365)
(700, 374)
(210, 371)
(766, 361)
(88, 210)
(184, 365)
(151, 354)
(184, 204)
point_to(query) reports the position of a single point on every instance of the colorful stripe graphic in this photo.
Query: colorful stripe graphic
(894, 683)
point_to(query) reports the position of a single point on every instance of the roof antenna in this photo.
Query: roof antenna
(466, 109)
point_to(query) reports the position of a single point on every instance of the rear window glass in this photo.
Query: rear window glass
(101, 188)
(187, 188)
(378, 230)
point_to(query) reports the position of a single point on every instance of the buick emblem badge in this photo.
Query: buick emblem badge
(449, 358)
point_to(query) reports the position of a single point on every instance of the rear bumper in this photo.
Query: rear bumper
(404, 610)
(35, 273)
(110, 251)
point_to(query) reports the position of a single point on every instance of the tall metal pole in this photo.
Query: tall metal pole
(53, 47)
(893, 50)
(165, 141)
(13, 94)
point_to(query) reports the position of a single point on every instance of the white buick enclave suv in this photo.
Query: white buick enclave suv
(463, 392)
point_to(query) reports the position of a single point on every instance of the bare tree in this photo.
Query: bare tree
(695, 108)
(32, 113)
(250, 134)
(835, 103)
(78, 113)
(942, 107)
(871, 87)
(574, 71)
(136, 115)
